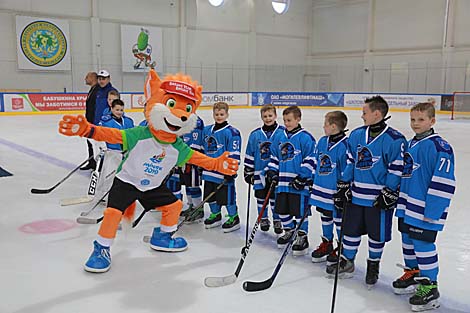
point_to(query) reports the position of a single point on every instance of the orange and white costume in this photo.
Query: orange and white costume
(150, 153)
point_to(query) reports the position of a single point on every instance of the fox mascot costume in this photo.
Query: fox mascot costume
(150, 153)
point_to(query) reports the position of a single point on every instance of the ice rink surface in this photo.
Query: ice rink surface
(43, 250)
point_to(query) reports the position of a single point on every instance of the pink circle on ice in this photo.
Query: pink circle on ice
(47, 226)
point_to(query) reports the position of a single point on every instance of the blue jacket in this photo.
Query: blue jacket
(102, 102)
(111, 122)
(427, 183)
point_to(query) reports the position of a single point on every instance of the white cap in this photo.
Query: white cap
(103, 73)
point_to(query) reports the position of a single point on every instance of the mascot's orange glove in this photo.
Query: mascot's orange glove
(74, 126)
(78, 126)
(223, 164)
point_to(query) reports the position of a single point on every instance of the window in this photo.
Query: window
(280, 6)
(216, 3)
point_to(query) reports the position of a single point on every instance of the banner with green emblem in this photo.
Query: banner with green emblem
(43, 43)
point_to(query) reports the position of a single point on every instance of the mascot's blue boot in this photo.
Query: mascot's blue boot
(100, 259)
(162, 241)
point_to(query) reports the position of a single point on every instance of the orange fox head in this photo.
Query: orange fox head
(171, 104)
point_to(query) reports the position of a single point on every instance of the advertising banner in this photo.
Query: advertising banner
(44, 102)
(297, 98)
(42, 43)
(393, 100)
(232, 99)
(137, 101)
(141, 48)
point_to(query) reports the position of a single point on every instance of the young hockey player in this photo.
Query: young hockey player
(257, 156)
(113, 156)
(191, 177)
(116, 119)
(373, 173)
(217, 139)
(330, 161)
(290, 168)
(112, 95)
(427, 186)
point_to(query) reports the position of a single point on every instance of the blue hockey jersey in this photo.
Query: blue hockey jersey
(428, 182)
(109, 121)
(194, 138)
(292, 155)
(215, 143)
(258, 153)
(373, 163)
(330, 160)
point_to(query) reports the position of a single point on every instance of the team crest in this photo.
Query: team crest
(325, 167)
(288, 152)
(43, 43)
(212, 145)
(365, 159)
(409, 165)
(158, 158)
(265, 150)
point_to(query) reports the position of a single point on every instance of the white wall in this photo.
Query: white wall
(353, 45)
(218, 46)
(391, 46)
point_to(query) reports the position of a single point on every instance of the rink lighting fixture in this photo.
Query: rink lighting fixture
(216, 3)
(280, 6)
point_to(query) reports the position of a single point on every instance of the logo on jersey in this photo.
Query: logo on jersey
(145, 182)
(409, 165)
(326, 166)
(158, 158)
(265, 150)
(365, 159)
(212, 145)
(288, 152)
(444, 144)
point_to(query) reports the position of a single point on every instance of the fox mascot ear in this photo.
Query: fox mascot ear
(152, 85)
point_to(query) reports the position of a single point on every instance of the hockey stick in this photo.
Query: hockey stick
(247, 215)
(263, 285)
(230, 279)
(195, 210)
(43, 191)
(88, 220)
(340, 250)
(80, 200)
(95, 175)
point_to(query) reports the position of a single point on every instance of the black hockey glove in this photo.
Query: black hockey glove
(343, 195)
(387, 199)
(249, 175)
(229, 178)
(299, 183)
(272, 178)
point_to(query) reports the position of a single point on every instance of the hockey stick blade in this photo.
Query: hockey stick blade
(44, 191)
(41, 191)
(252, 286)
(220, 281)
(88, 220)
(74, 201)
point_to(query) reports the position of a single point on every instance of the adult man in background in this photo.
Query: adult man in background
(104, 84)
(91, 79)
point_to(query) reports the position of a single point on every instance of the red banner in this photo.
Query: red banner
(58, 102)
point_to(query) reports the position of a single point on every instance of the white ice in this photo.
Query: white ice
(44, 272)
